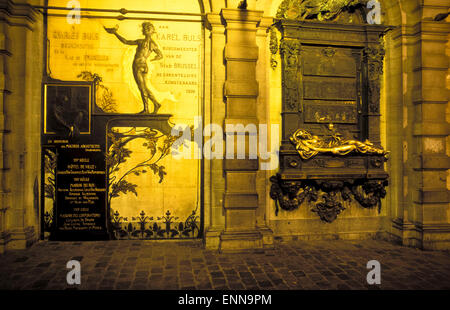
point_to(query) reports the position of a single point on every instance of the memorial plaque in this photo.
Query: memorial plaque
(319, 87)
(80, 192)
(337, 112)
(142, 71)
(329, 61)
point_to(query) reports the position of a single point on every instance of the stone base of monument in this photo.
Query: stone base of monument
(241, 241)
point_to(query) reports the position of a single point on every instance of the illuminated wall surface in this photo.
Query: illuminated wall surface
(79, 51)
(210, 69)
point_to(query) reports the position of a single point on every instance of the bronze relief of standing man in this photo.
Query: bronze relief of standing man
(145, 47)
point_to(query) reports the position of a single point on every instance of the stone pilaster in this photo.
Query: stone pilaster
(5, 55)
(215, 114)
(20, 92)
(263, 115)
(430, 132)
(241, 92)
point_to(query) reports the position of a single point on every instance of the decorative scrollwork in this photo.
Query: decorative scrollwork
(327, 196)
(329, 51)
(273, 47)
(309, 146)
(290, 52)
(144, 227)
(322, 10)
(287, 194)
(370, 193)
(374, 56)
(50, 158)
(105, 97)
(329, 208)
(157, 145)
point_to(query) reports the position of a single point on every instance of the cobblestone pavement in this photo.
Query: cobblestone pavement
(185, 265)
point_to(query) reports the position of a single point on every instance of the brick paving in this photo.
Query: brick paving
(151, 265)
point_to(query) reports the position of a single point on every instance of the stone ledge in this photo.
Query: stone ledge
(5, 238)
(241, 88)
(435, 162)
(242, 52)
(241, 164)
(21, 239)
(360, 235)
(17, 14)
(431, 129)
(240, 241)
(239, 16)
(431, 195)
(211, 239)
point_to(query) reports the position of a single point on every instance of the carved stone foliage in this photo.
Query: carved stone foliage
(273, 47)
(289, 195)
(322, 10)
(326, 196)
(290, 53)
(329, 208)
(374, 57)
(104, 96)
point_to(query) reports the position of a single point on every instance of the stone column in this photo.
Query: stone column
(241, 92)
(5, 55)
(20, 84)
(263, 110)
(430, 100)
(215, 114)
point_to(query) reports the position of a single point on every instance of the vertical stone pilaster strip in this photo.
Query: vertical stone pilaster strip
(215, 114)
(374, 58)
(21, 99)
(263, 37)
(241, 92)
(430, 132)
(4, 91)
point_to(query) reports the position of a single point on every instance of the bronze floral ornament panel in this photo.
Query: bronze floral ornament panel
(115, 88)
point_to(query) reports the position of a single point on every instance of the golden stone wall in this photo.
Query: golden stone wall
(414, 123)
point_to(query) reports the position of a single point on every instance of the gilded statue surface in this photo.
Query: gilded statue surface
(309, 146)
(145, 48)
(308, 9)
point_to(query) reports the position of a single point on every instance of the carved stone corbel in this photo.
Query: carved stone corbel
(326, 196)
(370, 192)
(329, 208)
(289, 195)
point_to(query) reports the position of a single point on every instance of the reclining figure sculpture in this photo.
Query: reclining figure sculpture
(309, 146)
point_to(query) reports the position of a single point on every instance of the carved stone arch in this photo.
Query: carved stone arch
(205, 6)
